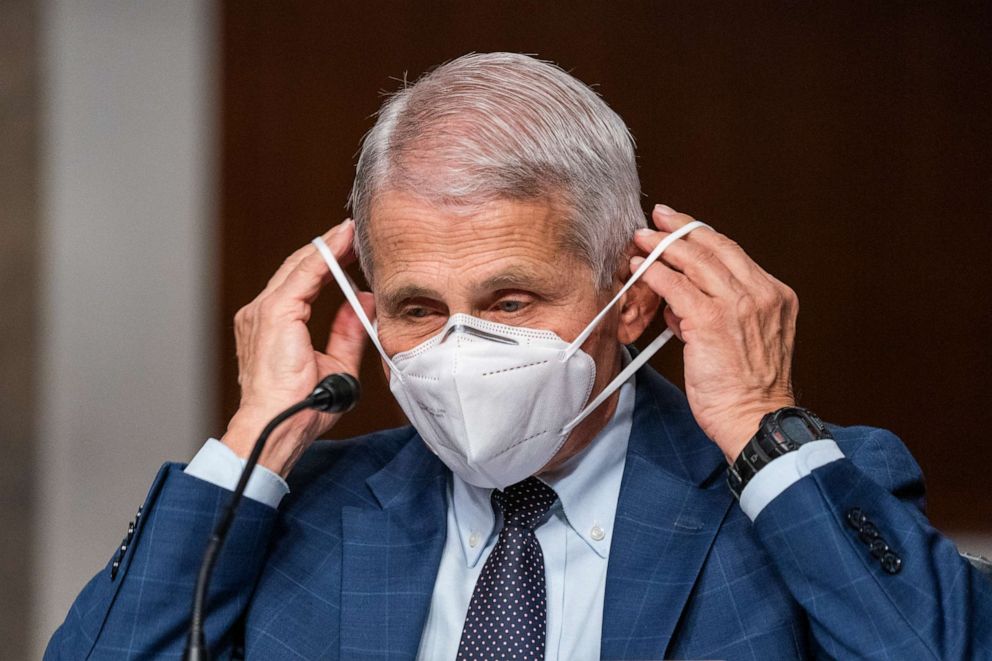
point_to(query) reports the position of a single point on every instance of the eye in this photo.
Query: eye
(417, 312)
(510, 306)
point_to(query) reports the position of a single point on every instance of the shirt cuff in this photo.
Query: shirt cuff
(782, 472)
(218, 464)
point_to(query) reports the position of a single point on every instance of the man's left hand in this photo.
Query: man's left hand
(738, 324)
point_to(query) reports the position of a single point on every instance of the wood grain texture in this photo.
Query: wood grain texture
(847, 147)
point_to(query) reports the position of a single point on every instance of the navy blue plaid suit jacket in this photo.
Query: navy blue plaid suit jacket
(345, 568)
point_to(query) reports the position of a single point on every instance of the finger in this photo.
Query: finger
(678, 291)
(700, 264)
(294, 260)
(732, 255)
(673, 321)
(284, 269)
(668, 219)
(348, 337)
(310, 274)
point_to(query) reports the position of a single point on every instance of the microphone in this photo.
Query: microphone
(337, 393)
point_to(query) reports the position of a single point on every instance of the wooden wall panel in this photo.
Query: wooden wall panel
(846, 146)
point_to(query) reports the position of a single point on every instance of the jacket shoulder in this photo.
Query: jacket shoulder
(344, 465)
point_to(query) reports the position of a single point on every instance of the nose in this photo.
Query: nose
(475, 332)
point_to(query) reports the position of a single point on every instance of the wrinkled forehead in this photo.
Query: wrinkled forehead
(419, 243)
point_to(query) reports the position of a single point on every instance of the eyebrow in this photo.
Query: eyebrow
(515, 278)
(392, 300)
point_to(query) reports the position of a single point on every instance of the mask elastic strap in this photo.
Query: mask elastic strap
(620, 378)
(349, 293)
(650, 350)
(648, 261)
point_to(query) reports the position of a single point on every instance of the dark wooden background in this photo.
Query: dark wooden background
(846, 146)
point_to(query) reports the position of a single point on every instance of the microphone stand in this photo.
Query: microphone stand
(336, 393)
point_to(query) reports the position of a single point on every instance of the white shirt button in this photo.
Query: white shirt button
(597, 533)
(473, 539)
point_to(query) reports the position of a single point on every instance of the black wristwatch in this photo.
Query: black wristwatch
(780, 432)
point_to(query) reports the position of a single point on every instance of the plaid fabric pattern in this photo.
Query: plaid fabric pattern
(346, 567)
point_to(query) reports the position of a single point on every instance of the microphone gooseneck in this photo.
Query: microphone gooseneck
(336, 393)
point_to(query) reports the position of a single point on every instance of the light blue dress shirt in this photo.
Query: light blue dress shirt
(218, 464)
(575, 538)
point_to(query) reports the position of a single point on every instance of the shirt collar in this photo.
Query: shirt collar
(588, 486)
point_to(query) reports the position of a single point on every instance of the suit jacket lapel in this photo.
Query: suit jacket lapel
(672, 502)
(391, 554)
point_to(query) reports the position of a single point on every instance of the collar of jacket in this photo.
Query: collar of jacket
(672, 502)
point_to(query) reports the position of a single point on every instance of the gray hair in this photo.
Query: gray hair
(490, 126)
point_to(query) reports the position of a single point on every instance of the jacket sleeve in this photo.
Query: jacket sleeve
(855, 549)
(142, 608)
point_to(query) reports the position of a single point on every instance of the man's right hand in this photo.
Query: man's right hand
(277, 364)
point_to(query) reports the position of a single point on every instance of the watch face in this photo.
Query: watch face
(797, 429)
(781, 431)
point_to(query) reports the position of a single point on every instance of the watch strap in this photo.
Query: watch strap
(780, 432)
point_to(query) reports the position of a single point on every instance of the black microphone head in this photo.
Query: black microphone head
(336, 393)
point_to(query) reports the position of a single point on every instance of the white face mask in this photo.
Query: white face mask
(494, 402)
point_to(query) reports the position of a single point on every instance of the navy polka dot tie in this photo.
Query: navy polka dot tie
(507, 617)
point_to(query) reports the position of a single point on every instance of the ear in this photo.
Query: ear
(637, 308)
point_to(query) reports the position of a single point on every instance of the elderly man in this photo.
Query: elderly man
(553, 498)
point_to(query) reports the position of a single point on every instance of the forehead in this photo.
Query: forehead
(416, 243)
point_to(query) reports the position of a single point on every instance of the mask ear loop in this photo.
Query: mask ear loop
(648, 351)
(349, 293)
(648, 261)
(621, 378)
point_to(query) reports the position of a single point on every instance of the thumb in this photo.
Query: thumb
(674, 322)
(348, 338)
